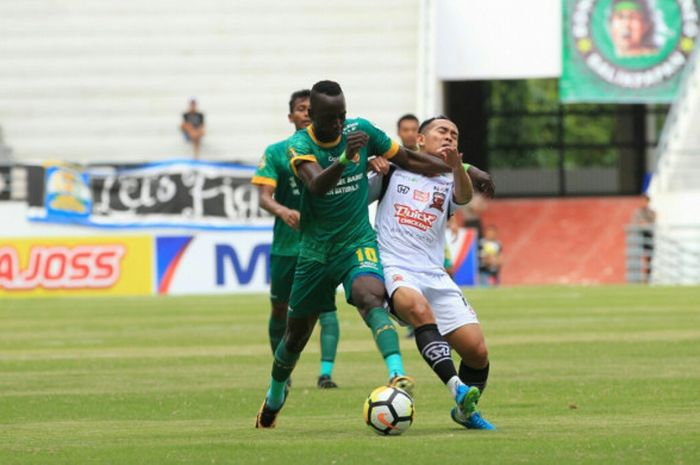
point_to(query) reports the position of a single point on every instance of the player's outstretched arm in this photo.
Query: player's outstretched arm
(420, 163)
(267, 201)
(463, 189)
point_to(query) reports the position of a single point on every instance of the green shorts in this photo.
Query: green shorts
(315, 283)
(281, 276)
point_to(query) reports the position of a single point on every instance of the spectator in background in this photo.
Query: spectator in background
(644, 218)
(193, 127)
(407, 130)
(490, 249)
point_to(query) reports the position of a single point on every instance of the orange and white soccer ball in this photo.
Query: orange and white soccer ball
(389, 410)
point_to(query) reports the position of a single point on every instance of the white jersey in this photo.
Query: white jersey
(412, 218)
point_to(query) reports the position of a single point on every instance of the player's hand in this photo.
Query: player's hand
(355, 141)
(482, 181)
(451, 156)
(291, 218)
(379, 165)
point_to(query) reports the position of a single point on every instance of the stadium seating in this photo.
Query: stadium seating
(89, 80)
(675, 189)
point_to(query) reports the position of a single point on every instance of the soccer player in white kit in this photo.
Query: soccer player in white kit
(411, 221)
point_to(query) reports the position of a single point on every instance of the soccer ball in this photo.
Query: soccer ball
(389, 410)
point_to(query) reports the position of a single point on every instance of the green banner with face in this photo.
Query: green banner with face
(626, 51)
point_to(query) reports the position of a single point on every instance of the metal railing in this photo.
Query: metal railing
(663, 254)
(639, 252)
(676, 257)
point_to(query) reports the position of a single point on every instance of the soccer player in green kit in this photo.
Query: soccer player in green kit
(338, 244)
(279, 195)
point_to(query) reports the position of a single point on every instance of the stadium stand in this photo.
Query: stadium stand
(88, 81)
(675, 191)
(5, 150)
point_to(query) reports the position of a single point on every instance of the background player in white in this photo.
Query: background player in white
(411, 222)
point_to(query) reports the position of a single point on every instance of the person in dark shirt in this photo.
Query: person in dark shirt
(193, 127)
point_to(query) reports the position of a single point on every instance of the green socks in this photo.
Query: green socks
(330, 334)
(387, 339)
(281, 370)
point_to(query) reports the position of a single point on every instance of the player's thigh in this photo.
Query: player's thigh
(468, 341)
(362, 276)
(412, 306)
(449, 305)
(312, 290)
(406, 298)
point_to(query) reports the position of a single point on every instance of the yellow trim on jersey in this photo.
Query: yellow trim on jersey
(323, 145)
(389, 154)
(259, 180)
(297, 158)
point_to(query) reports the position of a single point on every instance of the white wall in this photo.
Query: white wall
(84, 80)
(498, 39)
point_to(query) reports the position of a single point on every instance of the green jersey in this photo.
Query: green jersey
(273, 170)
(337, 221)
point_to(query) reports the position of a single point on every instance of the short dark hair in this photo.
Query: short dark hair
(298, 95)
(329, 88)
(406, 117)
(427, 122)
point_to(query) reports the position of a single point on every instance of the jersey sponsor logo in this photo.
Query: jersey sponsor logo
(438, 201)
(401, 189)
(415, 218)
(396, 277)
(61, 267)
(421, 196)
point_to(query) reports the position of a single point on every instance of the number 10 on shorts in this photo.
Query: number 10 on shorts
(366, 254)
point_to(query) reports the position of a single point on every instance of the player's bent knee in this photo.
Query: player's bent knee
(422, 314)
(296, 342)
(297, 334)
(481, 355)
(367, 297)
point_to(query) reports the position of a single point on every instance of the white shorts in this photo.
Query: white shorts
(449, 305)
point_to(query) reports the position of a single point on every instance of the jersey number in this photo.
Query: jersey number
(369, 254)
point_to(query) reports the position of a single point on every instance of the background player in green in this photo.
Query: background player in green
(338, 244)
(279, 194)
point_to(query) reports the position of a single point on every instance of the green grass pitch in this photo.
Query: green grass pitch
(594, 375)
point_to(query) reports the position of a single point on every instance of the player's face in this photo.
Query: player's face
(440, 133)
(328, 116)
(627, 28)
(408, 133)
(300, 113)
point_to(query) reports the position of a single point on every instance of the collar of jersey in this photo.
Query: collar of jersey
(323, 145)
